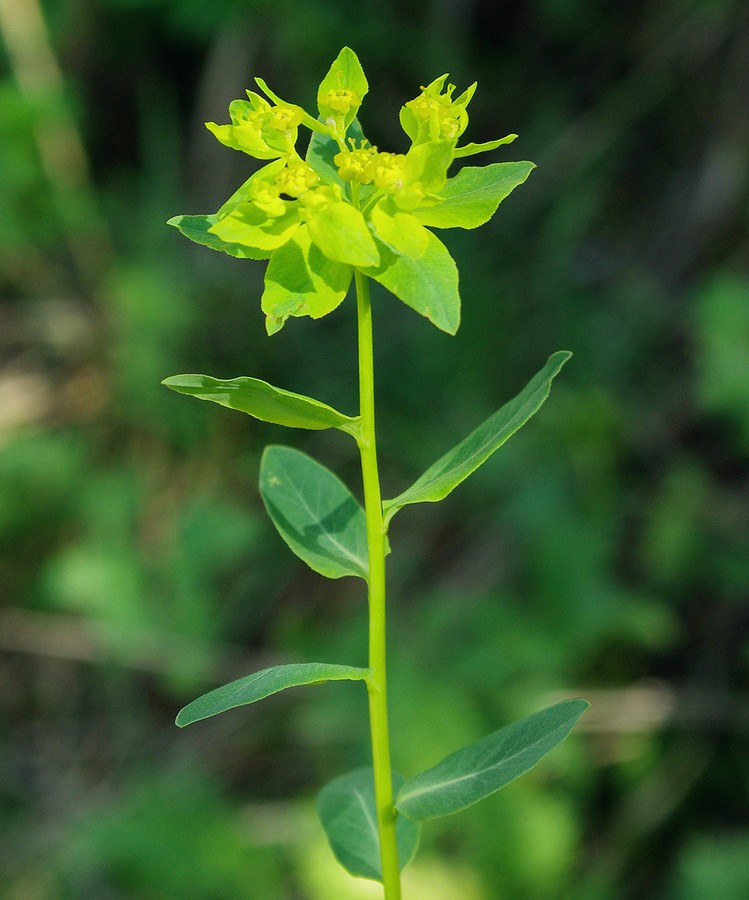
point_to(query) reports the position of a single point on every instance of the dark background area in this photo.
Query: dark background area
(603, 552)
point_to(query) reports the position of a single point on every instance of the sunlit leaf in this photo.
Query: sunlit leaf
(476, 771)
(198, 229)
(244, 192)
(262, 684)
(457, 464)
(263, 401)
(428, 284)
(250, 226)
(345, 79)
(401, 231)
(471, 198)
(341, 233)
(428, 164)
(471, 149)
(301, 281)
(314, 512)
(348, 814)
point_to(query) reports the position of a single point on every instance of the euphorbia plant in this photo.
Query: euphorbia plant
(345, 212)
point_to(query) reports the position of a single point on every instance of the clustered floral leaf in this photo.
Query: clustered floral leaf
(349, 205)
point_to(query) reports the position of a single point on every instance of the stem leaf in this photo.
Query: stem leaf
(314, 512)
(262, 684)
(457, 464)
(471, 198)
(476, 771)
(428, 283)
(263, 401)
(347, 810)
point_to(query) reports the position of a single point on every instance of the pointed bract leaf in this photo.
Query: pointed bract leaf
(347, 810)
(301, 281)
(471, 198)
(197, 228)
(314, 512)
(262, 684)
(243, 193)
(250, 226)
(428, 283)
(263, 401)
(342, 90)
(456, 465)
(471, 149)
(476, 771)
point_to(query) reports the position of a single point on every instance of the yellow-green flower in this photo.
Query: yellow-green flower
(434, 115)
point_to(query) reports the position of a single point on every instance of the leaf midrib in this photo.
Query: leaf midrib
(329, 534)
(438, 476)
(477, 772)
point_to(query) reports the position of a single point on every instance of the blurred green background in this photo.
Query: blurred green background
(603, 552)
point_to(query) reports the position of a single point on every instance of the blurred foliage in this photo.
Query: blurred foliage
(603, 552)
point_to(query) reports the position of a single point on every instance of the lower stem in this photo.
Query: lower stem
(377, 681)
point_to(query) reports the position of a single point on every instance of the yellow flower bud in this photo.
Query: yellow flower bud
(340, 100)
(266, 197)
(296, 178)
(284, 118)
(352, 164)
(386, 170)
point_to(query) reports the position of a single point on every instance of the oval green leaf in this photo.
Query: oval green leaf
(262, 684)
(456, 465)
(314, 512)
(427, 283)
(476, 771)
(348, 814)
(263, 401)
(471, 198)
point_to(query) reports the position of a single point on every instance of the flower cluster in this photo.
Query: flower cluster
(346, 204)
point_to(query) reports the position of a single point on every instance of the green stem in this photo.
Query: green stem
(377, 681)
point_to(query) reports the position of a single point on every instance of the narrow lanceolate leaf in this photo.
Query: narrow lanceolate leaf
(301, 281)
(314, 512)
(471, 198)
(480, 769)
(471, 149)
(262, 684)
(428, 283)
(197, 229)
(348, 814)
(263, 401)
(456, 465)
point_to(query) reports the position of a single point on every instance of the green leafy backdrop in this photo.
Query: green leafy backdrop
(603, 552)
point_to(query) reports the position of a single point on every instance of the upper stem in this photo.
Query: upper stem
(377, 681)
